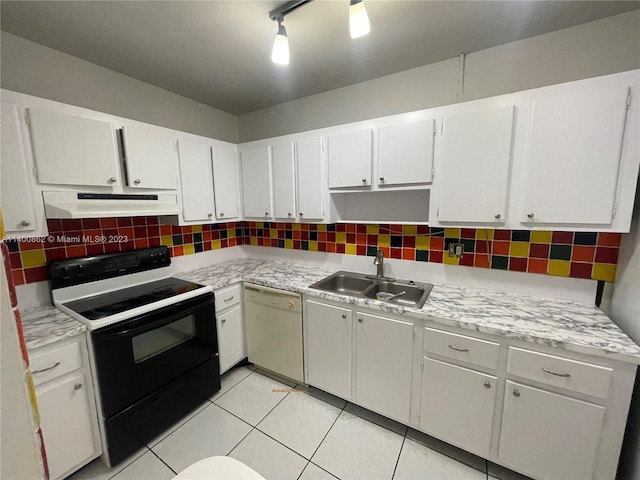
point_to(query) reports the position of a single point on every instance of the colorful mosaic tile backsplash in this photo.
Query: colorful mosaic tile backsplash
(567, 254)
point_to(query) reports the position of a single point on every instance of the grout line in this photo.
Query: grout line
(399, 455)
(325, 435)
(323, 469)
(158, 457)
(232, 387)
(125, 465)
(305, 467)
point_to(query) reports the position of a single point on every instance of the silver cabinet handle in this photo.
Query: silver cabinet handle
(223, 320)
(364, 181)
(557, 374)
(360, 320)
(487, 385)
(111, 180)
(209, 215)
(137, 181)
(47, 369)
(516, 393)
(25, 223)
(229, 299)
(458, 349)
(498, 216)
(344, 315)
(222, 214)
(77, 386)
(530, 215)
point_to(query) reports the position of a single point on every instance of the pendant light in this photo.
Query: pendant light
(358, 19)
(280, 52)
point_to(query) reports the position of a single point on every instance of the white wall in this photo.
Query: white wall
(597, 48)
(34, 69)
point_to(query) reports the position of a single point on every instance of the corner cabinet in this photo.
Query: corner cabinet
(256, 182)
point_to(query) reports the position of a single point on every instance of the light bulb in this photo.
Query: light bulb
(358, 19)
(280, 52)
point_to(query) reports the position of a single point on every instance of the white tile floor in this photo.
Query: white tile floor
(293, 433)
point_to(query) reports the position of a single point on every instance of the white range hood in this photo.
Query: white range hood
(97, 205)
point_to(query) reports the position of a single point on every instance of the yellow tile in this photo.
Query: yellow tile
(297, 226)
(452, 232)
(273, 233)
(322, 227)
(252, 241)
(288, 243)
(519, 249)
(409, 229)
(540, 236)
(484, 234)
(372, 229)
(450, 260)
(341, 237)
(189, 249)
(33, 258)
(384, 240)
(559, 267)
(259, 225)
(604, 271)
(350, 249)
(231, 233)
(196, 228)
(313, 246)
(217, 244)
(423, 242)
(166, 241)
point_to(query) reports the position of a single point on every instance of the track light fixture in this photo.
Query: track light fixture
(358, 26)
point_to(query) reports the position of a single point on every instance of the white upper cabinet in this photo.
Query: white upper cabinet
(196, 181)
(225, 183)
(256, 182)
(474, 166)
(284, 182)
(573, 157)
(71, 150)
(350, 157)
(149, 158)
(311, 180)
(17, 203)
(405, 153)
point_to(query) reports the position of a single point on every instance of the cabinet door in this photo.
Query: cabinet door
(72, 150)
(66, 423)
(328, 348)
(149, 158)
(384, 352)
(17, 201)
(573, 157)
(457, 405)
(474, 167)
(196, 182)
(311, 182)
(405, 153)
(284, 183)
(231, 338)
(560, 435)
(350, 157)
(256, 182)
(225, 183)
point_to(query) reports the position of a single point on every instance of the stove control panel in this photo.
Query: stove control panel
(74, 271)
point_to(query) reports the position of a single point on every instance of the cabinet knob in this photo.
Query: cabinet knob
(487, 385)
(359, 320)
(516, 393)
(25, 223)
(209, 215)
(291, 304)
(137, 181)
(111, 180)
(497, 216)
(381, 179)
(289, 214)
(223, 320)
(266, 214)
(221, 214)
(77, 386)
(530, 215)
(301, 214)
(344, 315)
(364, 181)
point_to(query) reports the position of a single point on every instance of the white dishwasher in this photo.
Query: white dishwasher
(274, 330)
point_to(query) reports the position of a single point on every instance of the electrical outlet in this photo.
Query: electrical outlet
(456, 250)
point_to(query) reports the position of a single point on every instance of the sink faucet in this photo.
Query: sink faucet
(379, 262)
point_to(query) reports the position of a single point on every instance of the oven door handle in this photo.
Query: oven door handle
(181, 310)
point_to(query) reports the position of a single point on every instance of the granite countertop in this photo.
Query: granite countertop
(556, 323)
(45, 325)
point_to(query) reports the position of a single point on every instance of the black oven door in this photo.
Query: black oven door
(141, 355)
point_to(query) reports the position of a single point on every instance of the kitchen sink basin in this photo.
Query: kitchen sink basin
(365, 286)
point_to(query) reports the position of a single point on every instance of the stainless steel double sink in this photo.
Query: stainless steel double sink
(368, 286)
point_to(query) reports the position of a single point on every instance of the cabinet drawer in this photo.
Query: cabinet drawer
(461, 347)
(560, 372)
(228, 296)
(55, 363)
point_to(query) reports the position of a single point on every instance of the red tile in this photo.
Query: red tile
(23, 347)
(467, 260)
(154, 242)
(152, 231)
(361, 228)
(361, 239)
(18, 278)
(297, 235)
(111, 247)
(233, 242)
(468, 233)
(322, 236)
(274, 242)
(124, 221)
(372, 240)
(225, 243)
(331, 247)
(396, 252)
(187, 238)
(110, 233)
(71, 224)
(609, 239)
(341, 227)
(481, 261)
(90, 223)
(351, 238)
(580, 270)
(562, 237)
(436, 243)
(95, 249)
(153, 220)
(423, 230)
(140, 243)
(396, 229)
(502, 235)
(409, 241)
(500, 248)
(15, 261)
(75, 251)
(331, 236)
(53, 254)
(140, 232)
(35, 274)
(606, 255)
(31, 246)
(361, 249)
(340, 248)
(165, 229)
(351, 228)
(537, 265)
(108, 223)
(481, 247)
(538, 250)
(207, 246)
(322, 246)
(408, 254)
(297, 245)
(215, 235)
(178, 251)
(189, 229)
(386, 252)
(304, 235)
(518, 264)
(139, 221)
(435, 256)
(581, 253)
(54, 225)
(384, 229)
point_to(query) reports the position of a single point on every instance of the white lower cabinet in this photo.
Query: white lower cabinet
(548, 435)
(384, 356)
(457, 405)
(232, 345)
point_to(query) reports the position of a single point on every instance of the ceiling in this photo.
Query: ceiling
(218, 52)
